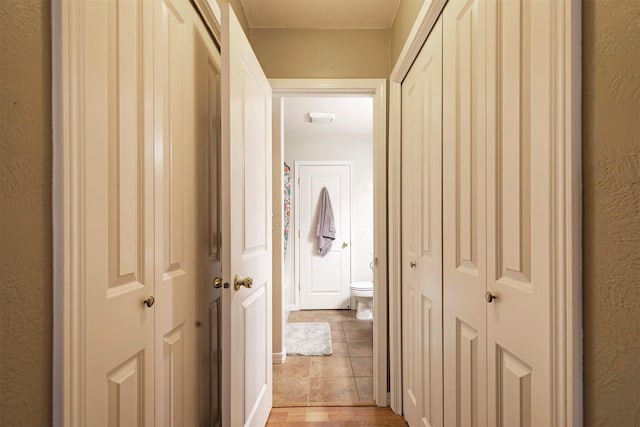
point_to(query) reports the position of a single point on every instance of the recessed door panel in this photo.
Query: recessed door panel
(464, 207)
(422, 235)
(126, 392)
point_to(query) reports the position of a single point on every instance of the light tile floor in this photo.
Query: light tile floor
(344, 378)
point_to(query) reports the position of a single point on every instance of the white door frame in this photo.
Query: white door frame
(296, 253)
(566, 280)
(377, 89)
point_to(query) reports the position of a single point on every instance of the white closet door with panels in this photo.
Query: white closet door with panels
(422, 235)
(520, 205)
(464, 222)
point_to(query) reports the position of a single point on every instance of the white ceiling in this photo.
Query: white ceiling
(354, 119)
(320, 14)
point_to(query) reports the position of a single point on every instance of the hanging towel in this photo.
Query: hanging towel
(326, 228)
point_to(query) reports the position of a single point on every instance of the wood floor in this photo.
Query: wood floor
(334, 416)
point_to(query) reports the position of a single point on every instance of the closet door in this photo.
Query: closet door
(464, 221)
(176, 215)
(519, 209)
(422, 235)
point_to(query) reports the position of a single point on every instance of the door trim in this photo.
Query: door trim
(377, 88)
(296, 193)
(566, 279)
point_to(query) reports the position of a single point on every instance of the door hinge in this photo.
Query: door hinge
(298, 181)
(298, 234)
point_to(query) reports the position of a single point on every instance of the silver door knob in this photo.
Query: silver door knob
(149, 301)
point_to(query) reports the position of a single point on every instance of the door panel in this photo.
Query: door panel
(464, 204)
(324, 280)
(422, 235)
(246, 218)
(519, 210)
(115, 195)
(176, 215)
(207, 86)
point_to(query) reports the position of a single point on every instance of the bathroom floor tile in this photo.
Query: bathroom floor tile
(339, 349)
(350, 325)
(290, 390)
(359, 349)
(337, 336)
(337, 390)
(362, 366)
(359, 335)
(294, 366)
(330, 367)
(365, 388)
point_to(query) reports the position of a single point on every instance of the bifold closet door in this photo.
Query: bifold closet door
(422, 236)
(520, 249)
(464, 206)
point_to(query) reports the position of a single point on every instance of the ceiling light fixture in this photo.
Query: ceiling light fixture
(322, 117)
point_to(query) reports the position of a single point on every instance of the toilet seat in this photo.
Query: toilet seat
(362, 286)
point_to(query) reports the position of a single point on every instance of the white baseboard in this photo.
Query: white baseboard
(279, 358)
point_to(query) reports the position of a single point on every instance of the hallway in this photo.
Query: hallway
(327, 416)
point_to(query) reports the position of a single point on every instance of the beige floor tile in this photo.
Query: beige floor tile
(362, 366)
(335, 325)
(365, 388)
(288, 390)
(359, 335)
(330, 367)
(301, 316)
(294, 366)
(350, 325)
(337, 390)
(337, 336)
(339, 349)
(359, 349)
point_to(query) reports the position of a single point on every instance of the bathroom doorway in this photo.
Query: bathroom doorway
(359, 253)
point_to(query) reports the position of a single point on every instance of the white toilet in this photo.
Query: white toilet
(363, 294)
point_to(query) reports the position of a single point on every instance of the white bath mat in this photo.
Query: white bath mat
(308, 339)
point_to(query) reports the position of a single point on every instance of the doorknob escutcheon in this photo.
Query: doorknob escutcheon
(149, 301)
(238, 282)
(490, 297)
(217, 282)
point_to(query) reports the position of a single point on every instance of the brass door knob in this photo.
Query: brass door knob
(217, 282)
(490, 297)
(412, 264)
(344, 245)
(238, 282)
(149, 301)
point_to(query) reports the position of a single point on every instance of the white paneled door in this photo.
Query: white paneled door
(247, 234)
(324, 280)
(464, 220)
(422, 236)
(112, 176)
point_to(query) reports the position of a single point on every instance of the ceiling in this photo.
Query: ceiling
(320, 14)
(354, 119)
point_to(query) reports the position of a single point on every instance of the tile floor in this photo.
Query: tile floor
(334, 417)
(345, 378)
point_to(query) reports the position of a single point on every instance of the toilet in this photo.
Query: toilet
(363, 294)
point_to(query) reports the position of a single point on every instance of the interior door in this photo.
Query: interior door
(246, 221)
(208, 66)
(464, 207)
(422, 235)
(324, 281)
(520, 206)
(114, 190)
(176, 215)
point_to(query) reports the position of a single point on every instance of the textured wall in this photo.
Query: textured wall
(288, 53)
(402, 24)
(25, 213)
(611, 204)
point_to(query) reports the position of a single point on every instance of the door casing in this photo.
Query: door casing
(377, 89)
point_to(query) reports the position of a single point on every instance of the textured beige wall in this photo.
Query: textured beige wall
(611, 206)
(25, 213)
(289, 53)
(402, 24)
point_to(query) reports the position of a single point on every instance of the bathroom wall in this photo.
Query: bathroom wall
(360, 152)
